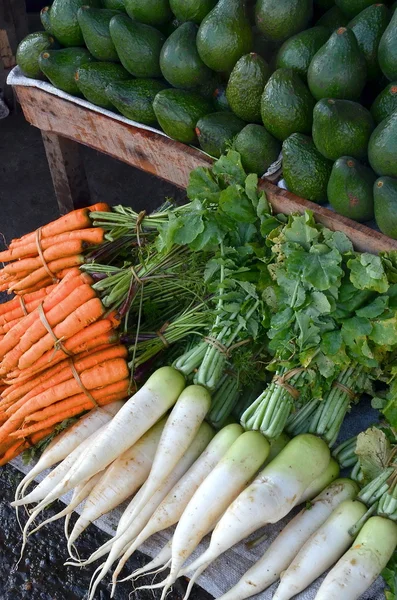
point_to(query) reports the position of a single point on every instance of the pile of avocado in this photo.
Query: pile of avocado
(313, 79)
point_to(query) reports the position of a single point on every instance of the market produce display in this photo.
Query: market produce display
(315, 80)
(212, 351)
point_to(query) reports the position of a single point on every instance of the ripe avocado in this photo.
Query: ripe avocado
(297, 52)
(245, 87)
(351, 8)
(29, 50)
(333, 19)
(305, 170)
(180, 62)
(368, 27)
(338, 69)
(385, 202)
(341, 128)
(134, 98)
(94, 25)
(150, 12)
(45, 18)
(382, 147)
(192, 10)
(350, 189)
(216, 131)
(387, 51)
(224, 35)
(258, 148)
(386, 103)
(60, 67)
(286, 105)
(279, 20)
(63, 21)
(93, 78)
(137, 45)
(178, 111)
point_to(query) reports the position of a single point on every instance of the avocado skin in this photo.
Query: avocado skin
(258, 148)
(326, 76)
(368, 27)
(341, 128)
(60, 67)
(114, 5)
(279, 20)
(45, 18)
(386, 103)
(192, 10)
(94, 25)
(180, 62)
(63, 21)
(93, 78)
(297, 52)
(134, 98)
(305, 170)
(220, 99)
(178, 111)
(350, 189)
(382, 147)
(137, 45)
(351, 8)
(224, 35)
(245, 87)
(387, 51)
(150, 12)
(333, 19)
(286, 105)
(385, 203)
(215, 131)
(29, 50)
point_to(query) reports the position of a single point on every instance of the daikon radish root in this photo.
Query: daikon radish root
(358, 568)
(120, 480)
(321, 482)
(287, 544)
(321, 550)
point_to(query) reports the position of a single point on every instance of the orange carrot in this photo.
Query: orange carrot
(14, 451)
(83, 316)
(51, 254)
(39, 274)
(34, 288)
(18, 313)
(99, 207)
(77, 219)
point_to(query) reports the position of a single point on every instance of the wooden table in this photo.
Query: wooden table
(65, 125)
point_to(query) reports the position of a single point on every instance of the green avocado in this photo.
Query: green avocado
(297, 52)
(150, 12)
(137, 45)
(305, 170)
(386, 103)
(351, 8)
(29, 50)
(245, 87)
(216, 131)
(45, 18)
(220, 99)
(350, 189)
(333, 19)
(192, 10)
(134, 99)
(60, 67)
(279, 20)
(180, 62)
(178, 111)
(224, 35)
(341, 128)
(64, 23)
(94, 25)
(258, 148)
(93, 78)
(385, 202)
(114, 5)
(338, 69)
(387, 51)
(368, 27)
(286, 105)
(382, 147)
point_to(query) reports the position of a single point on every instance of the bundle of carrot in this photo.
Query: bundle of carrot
(43, 257)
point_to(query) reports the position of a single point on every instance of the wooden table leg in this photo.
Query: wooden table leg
(67, 172)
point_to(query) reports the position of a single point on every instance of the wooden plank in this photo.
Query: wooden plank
(166, 158)
(8, 37)
(67, 172)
